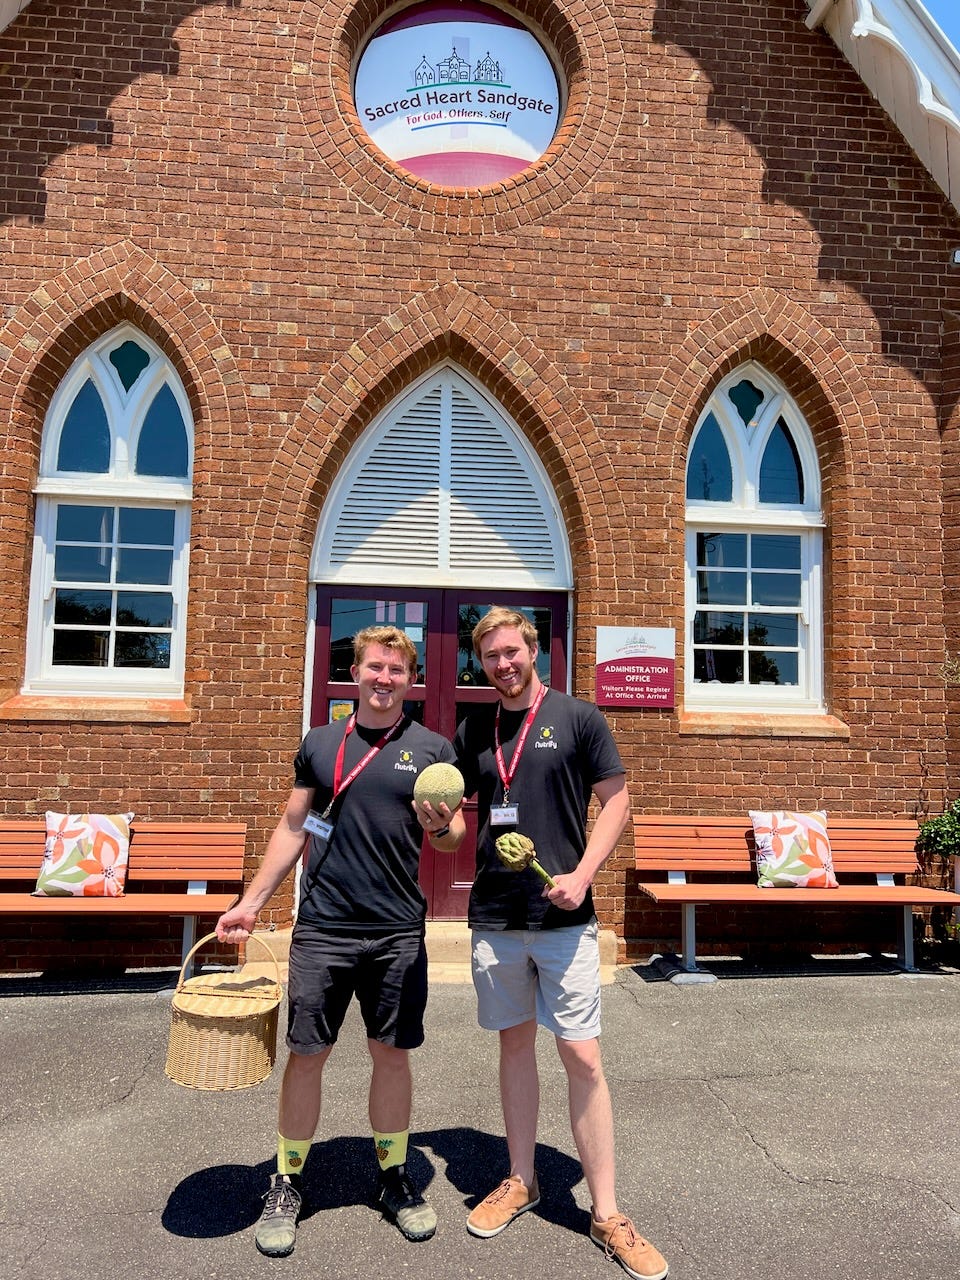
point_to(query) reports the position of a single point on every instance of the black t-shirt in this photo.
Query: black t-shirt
(569, 748)
(364, 879)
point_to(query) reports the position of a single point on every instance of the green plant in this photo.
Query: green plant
(938, 840)
(951, 669)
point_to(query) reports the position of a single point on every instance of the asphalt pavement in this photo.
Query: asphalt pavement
(782, 1127)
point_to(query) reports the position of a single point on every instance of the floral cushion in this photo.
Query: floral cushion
(85, 855)
(793, 850)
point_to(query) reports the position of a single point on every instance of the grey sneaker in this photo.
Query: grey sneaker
(397, 1199)
(277, 1228)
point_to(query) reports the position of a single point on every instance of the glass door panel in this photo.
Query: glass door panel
(340, 615)
(447, 879)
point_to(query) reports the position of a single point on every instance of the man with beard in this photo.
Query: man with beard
(533, 759)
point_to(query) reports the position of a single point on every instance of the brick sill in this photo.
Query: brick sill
(761, 724)
(25, 707)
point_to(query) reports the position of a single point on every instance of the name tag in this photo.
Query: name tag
(318, 826)
(504, 815)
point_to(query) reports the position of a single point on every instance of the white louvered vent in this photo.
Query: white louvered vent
(391, 515)
(496, 514)
(442, 490)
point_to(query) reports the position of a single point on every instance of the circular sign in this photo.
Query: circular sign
(459, 94)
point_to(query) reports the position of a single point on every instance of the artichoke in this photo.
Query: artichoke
(517, 852)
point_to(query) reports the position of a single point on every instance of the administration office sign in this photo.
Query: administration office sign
(636, 666)
(461, 98)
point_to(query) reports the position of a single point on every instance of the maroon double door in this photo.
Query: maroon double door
(449, 681)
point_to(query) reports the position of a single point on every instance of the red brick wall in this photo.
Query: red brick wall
(722, 187)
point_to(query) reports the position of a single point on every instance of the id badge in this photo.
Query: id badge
(504, 815)
(318, 826)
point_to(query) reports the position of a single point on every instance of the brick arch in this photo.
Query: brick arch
(586, 42)
(40, 342)
(787, 339)
(448, 323)
(120, 284)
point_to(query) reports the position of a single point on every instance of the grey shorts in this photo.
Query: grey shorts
(552, 975)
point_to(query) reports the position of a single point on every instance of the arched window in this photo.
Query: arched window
(754, 548)
(109, 581)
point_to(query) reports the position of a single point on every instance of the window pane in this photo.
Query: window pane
(709, 473)
(153, 567)
(129, 360)
(347, 617)
(722, 550)
(146, 526)
(721, 588)
(144, 609)
(139, 649)
(718, 628)
(773, 551)
(773, 668)
(85, 437)
(84, 524)
(781, 476)
(162, 447)
(81, 607)
(775, 629)
(776, 588)
(82, 564)
(81, 648)
(469, 671)
(718, 666)
(746, 399)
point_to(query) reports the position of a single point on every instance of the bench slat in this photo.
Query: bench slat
(151, 904)
(850, 895)
(158, 851)
(724, 844)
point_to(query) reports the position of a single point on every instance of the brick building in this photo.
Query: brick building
(695, 367)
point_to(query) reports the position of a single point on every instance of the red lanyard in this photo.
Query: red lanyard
(506, 776)
(340, 783)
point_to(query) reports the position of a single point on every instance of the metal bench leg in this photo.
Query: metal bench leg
(688, 936)
(189, 938)
(905, 939)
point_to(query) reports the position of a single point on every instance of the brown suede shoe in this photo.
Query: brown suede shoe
(619, 1240)
(501, 1206)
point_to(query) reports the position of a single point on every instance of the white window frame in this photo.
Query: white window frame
(119, 486)
(745, 514)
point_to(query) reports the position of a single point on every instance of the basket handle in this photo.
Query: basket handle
(210, 937)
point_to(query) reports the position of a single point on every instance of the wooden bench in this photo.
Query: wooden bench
(189, 855)
(867, 856)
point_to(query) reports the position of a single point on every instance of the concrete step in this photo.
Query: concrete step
(448, 952)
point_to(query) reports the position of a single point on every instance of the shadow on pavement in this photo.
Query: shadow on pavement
(223, 1200)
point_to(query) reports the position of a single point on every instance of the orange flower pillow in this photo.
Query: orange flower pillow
(793, 850)
(85, 855)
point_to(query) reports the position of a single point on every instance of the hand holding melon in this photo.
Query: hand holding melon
(439, 784)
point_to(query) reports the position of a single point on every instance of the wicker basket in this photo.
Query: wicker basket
(223, 1034)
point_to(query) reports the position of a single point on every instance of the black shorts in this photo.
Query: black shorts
(388, 975)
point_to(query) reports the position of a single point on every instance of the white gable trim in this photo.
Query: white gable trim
(912, 70)
(9, 9)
